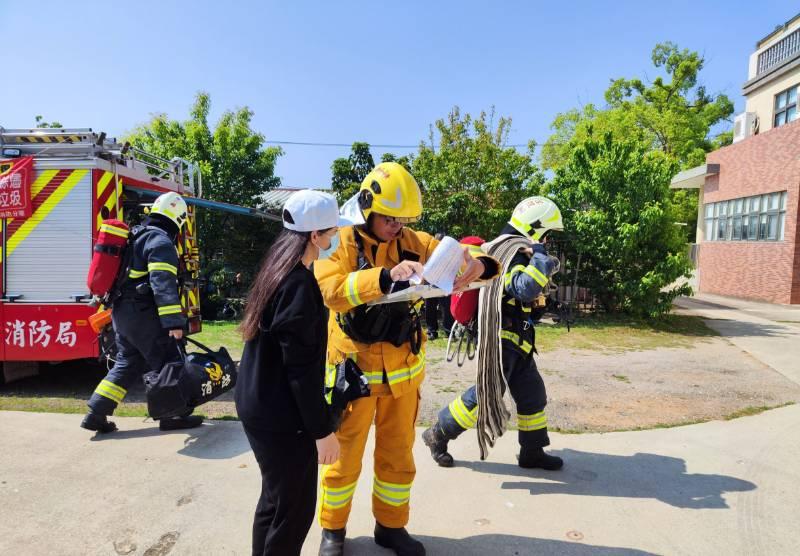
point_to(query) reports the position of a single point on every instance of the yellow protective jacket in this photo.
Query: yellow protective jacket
(344, 287)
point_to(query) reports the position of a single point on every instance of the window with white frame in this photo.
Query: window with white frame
(756, 218)
(785, 106)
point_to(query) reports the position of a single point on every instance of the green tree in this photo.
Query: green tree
(348, 173)
(41, 124)
(236, 168)
(405, 161)
(471, 180)
(619, 216)
(673, 114)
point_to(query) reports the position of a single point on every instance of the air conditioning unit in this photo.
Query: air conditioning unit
(744, 125)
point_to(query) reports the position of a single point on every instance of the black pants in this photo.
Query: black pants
(432, 307)
(527, 389)
(285, 510)
(142, 346)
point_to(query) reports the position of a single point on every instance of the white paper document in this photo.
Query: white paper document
(443, 266)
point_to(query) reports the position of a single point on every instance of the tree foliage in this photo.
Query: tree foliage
(618, 214)
(236, 168)
(471, 180)
(348, 173)
(674, 115)
(42, 124)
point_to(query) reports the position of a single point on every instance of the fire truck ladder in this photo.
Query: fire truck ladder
(83, 143)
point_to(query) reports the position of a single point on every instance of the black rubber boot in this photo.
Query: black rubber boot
(398, 540)
(332, 543)
(98, 423)
(177, 423)
(537, 458)
(435, 439)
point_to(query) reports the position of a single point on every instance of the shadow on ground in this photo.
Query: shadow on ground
(480, 545)
(741, 329)
(212, 440)
(638, 476)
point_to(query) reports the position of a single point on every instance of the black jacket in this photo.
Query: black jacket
(155, 260)
(281, 375)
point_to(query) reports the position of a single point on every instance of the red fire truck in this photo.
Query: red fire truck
(56, 187)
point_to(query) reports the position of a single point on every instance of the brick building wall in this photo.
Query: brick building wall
(766, 270)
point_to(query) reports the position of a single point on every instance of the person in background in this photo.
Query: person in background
(280, 391)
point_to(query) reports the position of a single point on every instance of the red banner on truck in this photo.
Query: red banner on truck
(15, 188)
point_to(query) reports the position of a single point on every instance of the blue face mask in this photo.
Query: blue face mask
(325, 253)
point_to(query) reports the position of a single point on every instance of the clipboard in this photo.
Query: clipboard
(425, 291)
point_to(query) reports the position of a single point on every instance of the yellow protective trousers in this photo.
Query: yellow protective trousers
(394, 468)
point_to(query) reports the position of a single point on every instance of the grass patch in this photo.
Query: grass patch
(613, 333)
(753, 410)
(439, 342)
(744, 412)
(217, 411)
(217, 334)
(64, 405)
(604, 333)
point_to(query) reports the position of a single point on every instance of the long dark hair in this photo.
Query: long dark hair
(281, 258)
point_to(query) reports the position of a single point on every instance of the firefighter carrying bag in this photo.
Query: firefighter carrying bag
(196, 378)
(107, 256)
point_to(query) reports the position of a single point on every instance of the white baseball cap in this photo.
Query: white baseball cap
(309, 210)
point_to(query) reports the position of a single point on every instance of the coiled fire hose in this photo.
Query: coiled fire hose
(493, 415)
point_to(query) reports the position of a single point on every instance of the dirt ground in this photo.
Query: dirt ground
(587, 390)
(595, 391)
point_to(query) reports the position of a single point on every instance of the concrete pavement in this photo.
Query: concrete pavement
(720, 487)
(714, 488)
(769, 332)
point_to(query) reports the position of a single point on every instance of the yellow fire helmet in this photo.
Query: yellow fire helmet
(172, 206)
(390, 190)
(536, 216)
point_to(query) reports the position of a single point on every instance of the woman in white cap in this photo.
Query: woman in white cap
(280, 390)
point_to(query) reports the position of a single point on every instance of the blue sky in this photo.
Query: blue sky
(343, 71)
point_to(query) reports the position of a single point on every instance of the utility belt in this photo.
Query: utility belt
(141, 292)
(396, 323)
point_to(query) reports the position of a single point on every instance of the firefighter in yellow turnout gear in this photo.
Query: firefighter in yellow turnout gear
(388, 346)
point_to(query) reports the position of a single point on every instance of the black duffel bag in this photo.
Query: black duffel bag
(194, 379)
